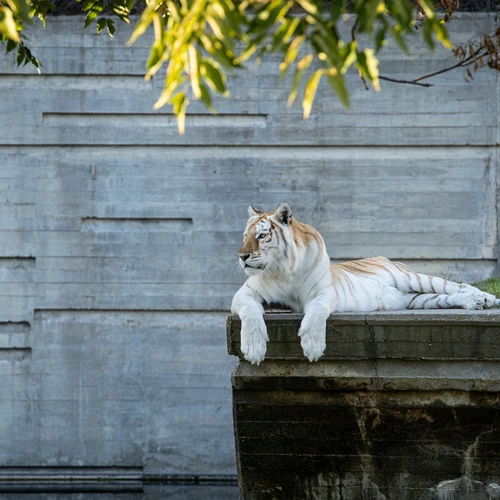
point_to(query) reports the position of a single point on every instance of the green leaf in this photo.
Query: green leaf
(427, 8)
(349, 55)
(310, 92)
(21, 55)
(337, 83)
(19, 8)
(367, 11)
(11, 45)
(337, 7)
(143, 24)
(215, 78)
(368, 65)
(399, 38)
(222, 54)
(194, 71)
(93, 13)
(180, 103)
(291, 54)
(233, 17)
(380, 39)
(88, 4)
(300, 71)
(101, 24)
(402, 11)
(217, 28)
(206, 97)
(167, 93)
(442, 35)
(309, 7)
(8, 26)
(111, 27)
(155, 56)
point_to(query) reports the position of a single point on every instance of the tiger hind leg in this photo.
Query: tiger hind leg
(407, 280)
(475, 299)
(431, 292)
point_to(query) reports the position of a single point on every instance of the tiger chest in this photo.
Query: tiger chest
(287, 293)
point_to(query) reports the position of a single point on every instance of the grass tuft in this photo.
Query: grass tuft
(490, 285)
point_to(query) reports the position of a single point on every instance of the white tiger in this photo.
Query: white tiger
(287, 263)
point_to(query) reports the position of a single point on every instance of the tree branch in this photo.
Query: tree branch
(461, 64)
(464, 62)
(412, 82)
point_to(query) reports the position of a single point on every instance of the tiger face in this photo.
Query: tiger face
(265, 241)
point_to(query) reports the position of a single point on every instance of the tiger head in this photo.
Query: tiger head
(268, 241)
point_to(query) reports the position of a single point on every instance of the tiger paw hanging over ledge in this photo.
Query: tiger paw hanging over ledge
(287, 263)
(451, 335)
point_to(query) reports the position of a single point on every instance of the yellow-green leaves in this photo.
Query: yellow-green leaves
(198, 41)
(310, 92)
(291, 53)
(367, 64)
(179, 103)
(8, 27)
(213, 75)
(337, 83)
(300, 71)
(14, 14)
(195, 40)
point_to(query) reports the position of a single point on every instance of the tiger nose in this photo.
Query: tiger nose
(244, 256)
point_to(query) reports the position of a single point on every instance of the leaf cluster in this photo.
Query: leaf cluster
(98, 11)
(14, 15)
(476, 54)
(198, 41)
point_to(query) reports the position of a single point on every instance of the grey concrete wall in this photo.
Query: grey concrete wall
(118, 237)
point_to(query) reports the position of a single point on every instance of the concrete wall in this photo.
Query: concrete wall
(403, 406)
(118, 237)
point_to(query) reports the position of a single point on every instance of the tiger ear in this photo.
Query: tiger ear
(252, 212)
(283, 213)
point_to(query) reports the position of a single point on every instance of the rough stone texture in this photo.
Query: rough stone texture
(374, 425)
(398, 335)
(118, 237)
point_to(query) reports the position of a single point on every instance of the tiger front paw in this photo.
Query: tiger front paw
(254, 340)
(313, 342)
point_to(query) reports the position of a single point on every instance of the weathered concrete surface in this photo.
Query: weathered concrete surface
(399, 335)
(118, 237)
(373, 426)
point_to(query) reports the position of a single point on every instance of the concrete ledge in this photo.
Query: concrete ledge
(383, 375)
(432, 335)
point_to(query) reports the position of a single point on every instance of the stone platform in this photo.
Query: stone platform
(403, 406)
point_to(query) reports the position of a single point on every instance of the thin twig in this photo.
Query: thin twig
(412, 82)
(465, 62)
(355, 27)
